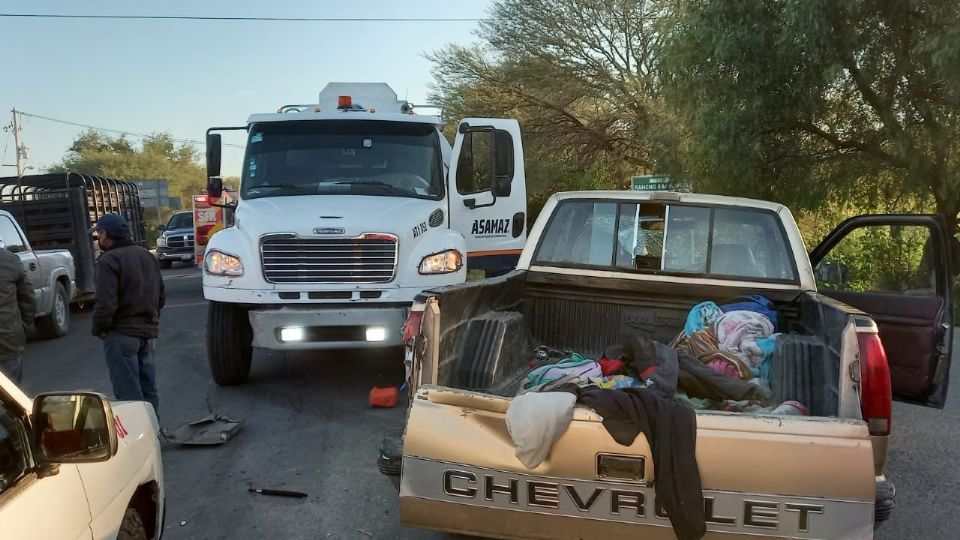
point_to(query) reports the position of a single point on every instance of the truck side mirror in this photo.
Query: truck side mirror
(215, 187)
(213, 154)
(73, 428)
(501, 164)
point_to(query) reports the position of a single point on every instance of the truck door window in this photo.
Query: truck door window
(14, 452)
(473, 165)
(881, 258)
(10, 235)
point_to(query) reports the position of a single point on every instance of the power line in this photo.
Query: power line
(214, 18)
(117, 131)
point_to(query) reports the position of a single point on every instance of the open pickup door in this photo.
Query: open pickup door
(897, 268)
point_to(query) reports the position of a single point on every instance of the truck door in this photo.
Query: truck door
(897, 268)
(15, 242)
(488, 193)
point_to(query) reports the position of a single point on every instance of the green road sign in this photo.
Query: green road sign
(656, 182)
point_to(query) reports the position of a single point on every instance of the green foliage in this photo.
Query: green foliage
(580, 77)
(809, 102)
(157, 157)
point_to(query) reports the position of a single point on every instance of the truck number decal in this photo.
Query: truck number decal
(419, 229)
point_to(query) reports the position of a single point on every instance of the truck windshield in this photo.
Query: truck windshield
(667, 239)
(181, 221)
(343, 157)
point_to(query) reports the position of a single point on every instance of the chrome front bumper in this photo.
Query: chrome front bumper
(334, 327)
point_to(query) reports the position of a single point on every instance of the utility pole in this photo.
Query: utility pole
(16, 143)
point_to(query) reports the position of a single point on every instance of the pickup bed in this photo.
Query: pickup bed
(52, 274)
(599, 266)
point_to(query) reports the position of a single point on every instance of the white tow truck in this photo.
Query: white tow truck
(347, 210)
(73, 465)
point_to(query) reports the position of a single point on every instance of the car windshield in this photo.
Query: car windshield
(343, 157)
(667, 239)
(181, 221)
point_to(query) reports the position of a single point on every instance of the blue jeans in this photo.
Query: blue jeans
(12, 367)
(132, 370)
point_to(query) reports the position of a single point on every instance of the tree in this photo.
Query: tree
(806, 102)
(581, 77)
(157, 157)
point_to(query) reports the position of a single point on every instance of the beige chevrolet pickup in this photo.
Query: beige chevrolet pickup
(870, 306)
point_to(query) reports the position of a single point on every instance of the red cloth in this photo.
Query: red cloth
(383, 397)
(609, 366)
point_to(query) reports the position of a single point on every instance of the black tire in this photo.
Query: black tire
(229, 343)
(166, 264)
(57, 323)
(132, 526)
(390, 456)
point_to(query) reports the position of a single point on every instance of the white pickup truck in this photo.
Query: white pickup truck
(51, 272)
(870, 307)
(73, 465)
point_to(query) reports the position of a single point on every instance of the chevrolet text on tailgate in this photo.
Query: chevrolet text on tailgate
(760, 377)
(347, 210)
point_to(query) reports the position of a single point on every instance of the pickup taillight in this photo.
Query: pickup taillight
(876, 398)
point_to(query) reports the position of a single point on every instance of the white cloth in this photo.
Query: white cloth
(738, 332)
(536, 420)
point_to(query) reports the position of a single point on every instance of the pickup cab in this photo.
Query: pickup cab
(52, 274)
(73, 465)
(871, 306)
(175, 243)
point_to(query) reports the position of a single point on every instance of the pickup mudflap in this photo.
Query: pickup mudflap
(628, 503)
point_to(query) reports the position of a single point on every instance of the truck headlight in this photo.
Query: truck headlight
(444, 262)
(162, 241)
(219, 263)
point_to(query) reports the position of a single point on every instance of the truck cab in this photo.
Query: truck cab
(347, 209)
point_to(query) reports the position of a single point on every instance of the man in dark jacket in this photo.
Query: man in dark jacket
(126, 313)
(16, 313)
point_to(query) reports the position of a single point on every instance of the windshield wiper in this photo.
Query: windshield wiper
(276, 189)
(366, 183)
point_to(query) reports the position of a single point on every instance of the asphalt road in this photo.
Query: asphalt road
(307, 427)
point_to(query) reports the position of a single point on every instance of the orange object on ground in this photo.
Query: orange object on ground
(383, 397)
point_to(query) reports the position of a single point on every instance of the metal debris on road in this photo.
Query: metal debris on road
(209, 430)
(278, 492)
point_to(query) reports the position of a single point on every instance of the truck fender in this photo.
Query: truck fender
(436, 241)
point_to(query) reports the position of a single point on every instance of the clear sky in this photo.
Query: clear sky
(185, 76)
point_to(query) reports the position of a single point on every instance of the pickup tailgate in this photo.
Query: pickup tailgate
(780, 477)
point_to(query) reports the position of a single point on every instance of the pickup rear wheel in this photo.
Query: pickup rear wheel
(132, 526)
(57, 322)
(229, 343)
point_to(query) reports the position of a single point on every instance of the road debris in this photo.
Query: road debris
(209, 430)
(278, 492)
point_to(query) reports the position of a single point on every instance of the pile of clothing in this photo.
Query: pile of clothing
(720, 361)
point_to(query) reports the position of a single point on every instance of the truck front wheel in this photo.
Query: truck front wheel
(229, 343)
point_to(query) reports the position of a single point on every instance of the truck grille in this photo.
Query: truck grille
(180, 241)
(370, 258)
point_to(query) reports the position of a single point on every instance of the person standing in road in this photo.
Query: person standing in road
(126, 312)
(16, 313)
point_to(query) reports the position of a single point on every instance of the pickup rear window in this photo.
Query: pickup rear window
(667, 239)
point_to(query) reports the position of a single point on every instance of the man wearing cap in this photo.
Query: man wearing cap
(126, 313)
